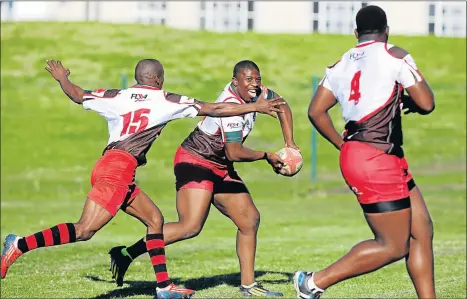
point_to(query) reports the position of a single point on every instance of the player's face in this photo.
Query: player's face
(247, 83)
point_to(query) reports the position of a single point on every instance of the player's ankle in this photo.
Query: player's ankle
(249, 285)
(314, 283)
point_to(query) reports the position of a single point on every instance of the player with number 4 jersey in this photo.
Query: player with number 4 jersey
(136, 117)
(368, 83)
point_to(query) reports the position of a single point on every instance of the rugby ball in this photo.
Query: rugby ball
(293, 160)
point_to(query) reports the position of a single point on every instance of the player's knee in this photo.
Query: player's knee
(251, 223)
(430, 229)
(155, 221)
(397, 251)
(424, 234)
(191, 230)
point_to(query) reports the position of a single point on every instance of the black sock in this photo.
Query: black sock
(137, 249)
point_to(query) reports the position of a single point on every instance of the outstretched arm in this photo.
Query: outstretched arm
(262, 105)
(59, 73)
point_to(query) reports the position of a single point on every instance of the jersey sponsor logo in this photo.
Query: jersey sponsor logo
(233, 125)
(138, 97)
(356, 55)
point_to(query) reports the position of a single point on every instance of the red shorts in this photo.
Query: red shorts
(112, 180)
(382, 182)
(194, 172)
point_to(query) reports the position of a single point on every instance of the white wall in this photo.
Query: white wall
(183, 14)
(405, 17)
(27, 11)
(282, 16)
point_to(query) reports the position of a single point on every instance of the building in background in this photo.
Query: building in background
(442, 18)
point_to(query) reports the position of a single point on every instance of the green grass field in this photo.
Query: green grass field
(49, 146)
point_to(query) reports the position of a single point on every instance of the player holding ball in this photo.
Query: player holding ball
(205, 174)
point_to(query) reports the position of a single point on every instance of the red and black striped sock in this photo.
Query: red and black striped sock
(60, 234)
(155, 246)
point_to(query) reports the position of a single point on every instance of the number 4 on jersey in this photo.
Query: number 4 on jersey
(355, 88)
(135, 121)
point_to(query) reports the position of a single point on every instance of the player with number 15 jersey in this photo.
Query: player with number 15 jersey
(136, 117)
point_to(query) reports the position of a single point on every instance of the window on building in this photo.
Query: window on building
(328, 24)
(431, 28)
(202, 5)
(250, 24)
(163, 5)
(364, 4)
(163, 21)
(431, 10)
(251, 5)
(315, 25)
(315, 7)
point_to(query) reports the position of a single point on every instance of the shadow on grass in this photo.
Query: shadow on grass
(148, 288)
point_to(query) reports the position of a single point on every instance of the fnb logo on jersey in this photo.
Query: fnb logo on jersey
(233, 125)
(138, 96)
(356, 55)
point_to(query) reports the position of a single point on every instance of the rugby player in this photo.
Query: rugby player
(205, 174)
(136, 117)
(368, 82)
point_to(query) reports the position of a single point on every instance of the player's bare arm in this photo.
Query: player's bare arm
(236, 152)
(420, 93)
(322, 101)
(231, 109)
(286, 121)
(60, 73)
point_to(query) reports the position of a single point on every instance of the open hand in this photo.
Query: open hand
(268, 106)
(57, 70)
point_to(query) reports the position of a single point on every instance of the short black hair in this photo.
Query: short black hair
(371, 19)
(244, 64)
(147, 68)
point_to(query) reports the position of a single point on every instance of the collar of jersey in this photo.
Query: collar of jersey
(145, 86)
(235, 95)
(366, 43)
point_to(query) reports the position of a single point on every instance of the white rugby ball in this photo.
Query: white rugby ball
(293, 159)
